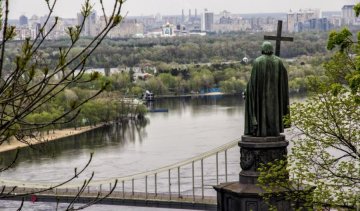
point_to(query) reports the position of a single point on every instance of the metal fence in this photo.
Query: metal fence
(191, 178)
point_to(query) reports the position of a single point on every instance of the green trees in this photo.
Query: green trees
(201, 79)
(168, 80)
(233, 86)
(326, 143)
(327, 152)
(234, 79)
(121, 81)
(192, 50)
(34, 82)
(156, 86)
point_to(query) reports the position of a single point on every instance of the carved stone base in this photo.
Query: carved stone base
(257, 150)
(244, 197)
(245, 194)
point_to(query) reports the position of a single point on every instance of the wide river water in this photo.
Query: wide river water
(191, 126)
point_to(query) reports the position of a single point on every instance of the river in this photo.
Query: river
(190, 127)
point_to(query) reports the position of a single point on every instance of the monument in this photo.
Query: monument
(267, 95)
(266, 106)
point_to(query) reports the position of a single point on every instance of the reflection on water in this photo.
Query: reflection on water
(201, 105)
(117, 134)
(192, 126)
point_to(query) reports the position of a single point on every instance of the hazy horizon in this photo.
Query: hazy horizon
(69, 9)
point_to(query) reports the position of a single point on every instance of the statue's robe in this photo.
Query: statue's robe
(267, 97)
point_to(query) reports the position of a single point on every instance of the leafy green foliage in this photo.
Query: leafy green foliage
(341, 39)
(32, 80)
(184, 50)
(274, 180)
(344, 67)
(357, 10)
(326, 152)
(74, 33)
(86, 8)
(117, 20)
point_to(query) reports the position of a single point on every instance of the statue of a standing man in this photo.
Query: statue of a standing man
(267, 95)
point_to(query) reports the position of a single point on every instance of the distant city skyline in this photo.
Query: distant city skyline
(68, 9)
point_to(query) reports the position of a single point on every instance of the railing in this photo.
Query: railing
(182, 171)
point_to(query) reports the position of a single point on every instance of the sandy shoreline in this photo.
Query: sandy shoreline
(52, 136)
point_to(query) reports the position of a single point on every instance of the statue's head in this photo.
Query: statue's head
(267, 48)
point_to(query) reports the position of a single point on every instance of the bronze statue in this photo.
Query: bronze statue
(267, 95)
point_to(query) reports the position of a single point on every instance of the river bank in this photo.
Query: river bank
(14, 144)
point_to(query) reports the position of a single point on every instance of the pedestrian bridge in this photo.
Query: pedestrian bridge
(186, 184)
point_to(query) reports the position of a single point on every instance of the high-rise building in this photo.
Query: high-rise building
(182, 16)
(37, 29)
(294, 18)
(225, 20)
(129, 27)
(33, 20)
(348, 15)
(91, 24)
(23, 20)
(208, 21)
(80, 19)
(321, 24)
(89, 28)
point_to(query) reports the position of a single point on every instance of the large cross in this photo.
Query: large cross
(278, 38)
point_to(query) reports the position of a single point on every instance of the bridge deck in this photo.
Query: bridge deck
(188, 174)
(121, 198)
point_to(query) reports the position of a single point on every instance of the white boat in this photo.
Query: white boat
(148, 96)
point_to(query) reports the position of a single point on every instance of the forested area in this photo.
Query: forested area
(187, 50)
(183, 65)
(181, 50)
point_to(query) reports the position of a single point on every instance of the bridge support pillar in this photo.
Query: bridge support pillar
(244, 195)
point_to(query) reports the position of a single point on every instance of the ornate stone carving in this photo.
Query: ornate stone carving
(252, 157)
(255, 151)
(247, 159)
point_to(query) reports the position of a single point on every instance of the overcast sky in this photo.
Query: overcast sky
(69, 8)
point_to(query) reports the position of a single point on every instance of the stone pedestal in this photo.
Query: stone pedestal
(245, 194)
